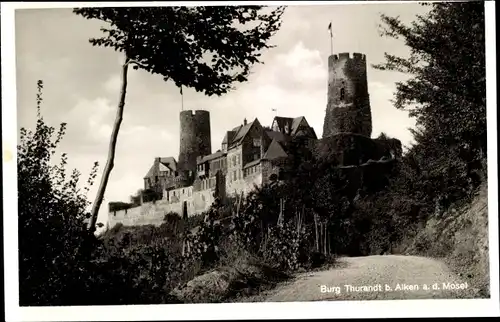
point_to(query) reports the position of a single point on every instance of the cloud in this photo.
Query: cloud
(292, 82)
(385, 117)
(299, 69)
(90, 121)
(112, 84)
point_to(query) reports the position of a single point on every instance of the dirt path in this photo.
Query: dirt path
(369, 276)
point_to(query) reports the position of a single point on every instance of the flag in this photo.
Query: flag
(181, 89)
(274, 110)
(330, 28)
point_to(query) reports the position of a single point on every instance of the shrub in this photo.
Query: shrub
(286, 246)
(54, 243)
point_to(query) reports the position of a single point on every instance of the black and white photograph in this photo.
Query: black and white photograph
(200, 160)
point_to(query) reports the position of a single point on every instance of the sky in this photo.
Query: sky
(81, 86)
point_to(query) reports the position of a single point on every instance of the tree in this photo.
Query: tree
(54, 245)
(205, 48)
(446, 93)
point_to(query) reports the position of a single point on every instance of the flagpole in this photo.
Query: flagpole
(182, 100)
(331, 43)
(331, 38)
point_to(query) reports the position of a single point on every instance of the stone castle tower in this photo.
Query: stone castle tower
(195, 138)
(348, 107)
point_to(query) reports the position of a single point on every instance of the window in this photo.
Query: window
(342, 94)
(256, 143)
(256, 156)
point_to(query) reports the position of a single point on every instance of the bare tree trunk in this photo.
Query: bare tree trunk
(324, 237)
(111, 152)
(320, 237)
(328, 240)
(316, 232)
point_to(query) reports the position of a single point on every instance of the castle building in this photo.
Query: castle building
(251, 155)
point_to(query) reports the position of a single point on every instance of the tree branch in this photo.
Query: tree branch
(132, 61)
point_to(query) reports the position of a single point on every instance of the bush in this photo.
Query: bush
(286, 247)
(60, 261)
(54, 243)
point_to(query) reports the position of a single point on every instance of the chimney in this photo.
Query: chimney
(244, 121)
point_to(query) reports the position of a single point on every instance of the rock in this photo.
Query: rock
(213, 286)
(222, 283)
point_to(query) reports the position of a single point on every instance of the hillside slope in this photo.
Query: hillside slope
(460, 238)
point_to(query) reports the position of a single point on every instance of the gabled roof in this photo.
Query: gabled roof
(296, 123)
(278, 136)
(241, 132)
(210, 157)
(274, 151)
(228, 137)
(160, 164)
(170, 163)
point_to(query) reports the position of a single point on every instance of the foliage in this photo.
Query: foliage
(138, 266)
(207, 48)
(54, 245)
(446, 93)
(286, 246)
(60, 261)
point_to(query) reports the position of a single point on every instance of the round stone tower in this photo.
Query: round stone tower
(194, 138)
(348, 107)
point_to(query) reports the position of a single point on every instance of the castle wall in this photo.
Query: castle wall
(148, 213)
(354, 149)
(234, 169)
(348, 107)
(153, 213)
(269, 168)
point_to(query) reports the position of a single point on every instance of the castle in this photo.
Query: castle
(252, 155)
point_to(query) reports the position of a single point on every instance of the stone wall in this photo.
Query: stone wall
(153, 213)
(234, 169)
(355, 149)
(348, 107)
(269, 168)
